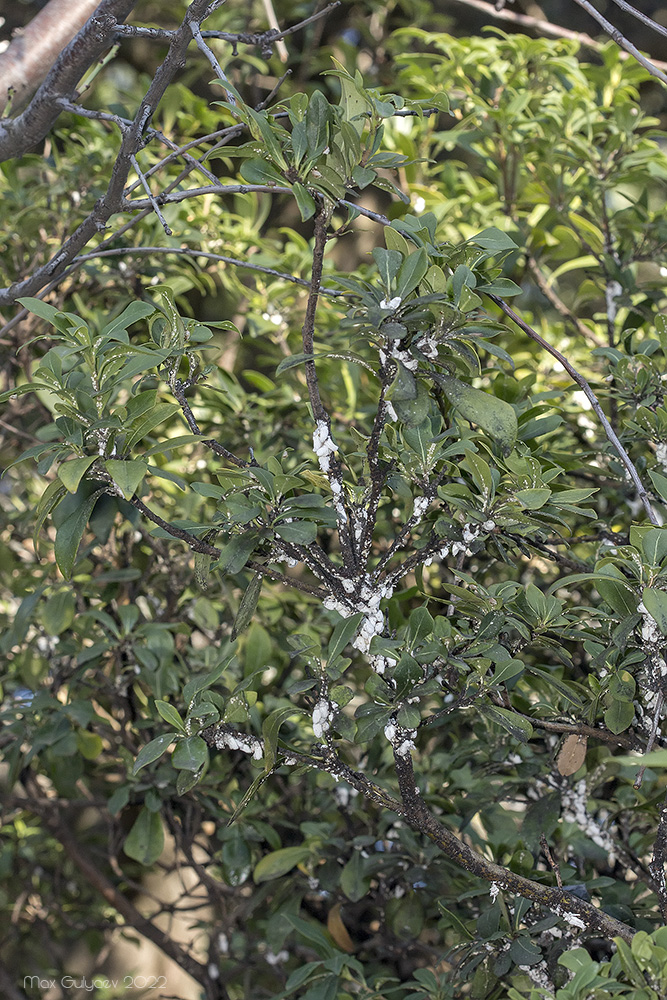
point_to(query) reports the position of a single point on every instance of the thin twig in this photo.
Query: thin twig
(543, 27)
(217, 68)
(592, 398)
(622, 41)
(554, 298)
(553, 864)
(133, 139)
(281, 48)
(156, 207)
(644, 18)
(187, 252)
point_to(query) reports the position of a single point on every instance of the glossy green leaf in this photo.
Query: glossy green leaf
(520, 728)
(191, 754)
(344, 632)
(126, 475)
(279, 862)
(71, 473)
(655, 602)
(170, 715)
(152, 751)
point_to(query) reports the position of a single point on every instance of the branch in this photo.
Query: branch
(554, 298)
(32, 52)
(648, 21)
(178, 389)
(659, 859)
(622, 41)
(543, 27)
(576, 912)
(20, 134)
(90, 869)
(592, 398)
(195, 543)
(323, 443)
(220, 258)
(132, 142)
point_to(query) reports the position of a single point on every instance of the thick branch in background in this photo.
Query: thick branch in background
(34, 50)
(18, 135)
(131, 143)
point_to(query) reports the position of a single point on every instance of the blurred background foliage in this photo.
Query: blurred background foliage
(558, 148)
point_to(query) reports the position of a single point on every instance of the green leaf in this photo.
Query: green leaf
(343, 633)
(494, 240)
(145, 841)
(57, 614)
(191, 754)
(493, 415)
(305, 201)
(262, 128)
(618, 594)
(533, 499)
(411, 273)
(260, 172)
(126, 475)
(619, 715)
(247, 605)
(660, 483)
(248, 796)
(353, 100)
(41, 309)
(270, 730)
(279, 862)
(152, 751)
(506, 670)
(655, 602)
(318, 116)
(136, 311)
(298, 532)
(523, 951)
(501, 286)
(70, 533)
(236, 552)
(353, 881)
(403, 386)
(71, 473)
(622, 686)
(654, 545)
(170, 715)
(520, 728)
(388, 263)
(155, 416)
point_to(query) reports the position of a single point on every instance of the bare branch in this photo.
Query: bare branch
(644, 18)
(622, 41)
(156, 207)
(595, 403)
(131, 143)
(18, 135)
(33, 50)
(543, 27)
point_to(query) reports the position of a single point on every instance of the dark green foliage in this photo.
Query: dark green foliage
(257, 557)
